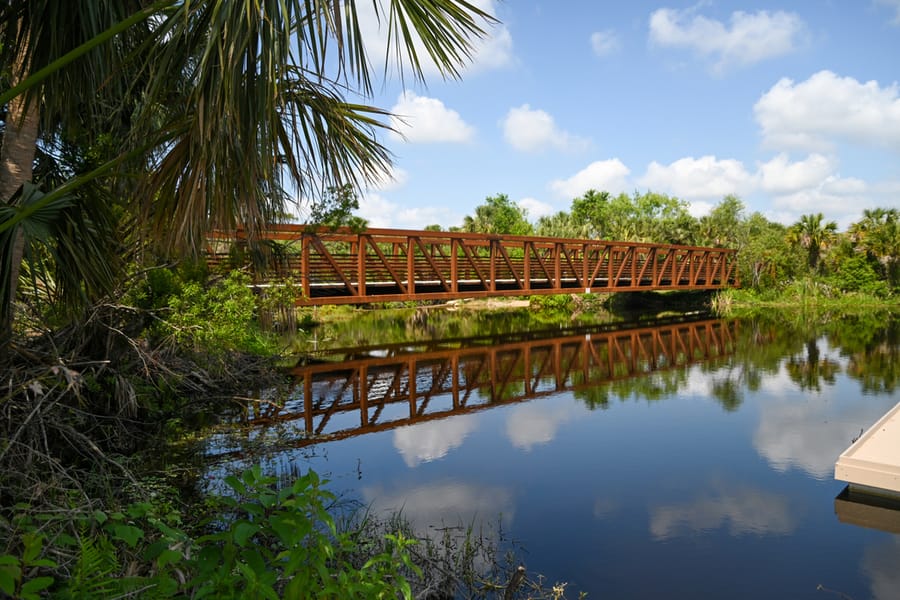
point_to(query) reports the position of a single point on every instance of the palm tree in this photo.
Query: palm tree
(209, 110)
(498, 215)
(878, 235)
(813, 235)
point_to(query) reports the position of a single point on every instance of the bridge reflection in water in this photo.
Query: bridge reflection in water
(404, 386)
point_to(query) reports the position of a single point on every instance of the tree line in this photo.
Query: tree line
(864, 258)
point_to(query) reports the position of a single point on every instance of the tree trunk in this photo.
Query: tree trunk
(16, 162)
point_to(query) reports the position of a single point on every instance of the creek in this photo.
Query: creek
(670, 458)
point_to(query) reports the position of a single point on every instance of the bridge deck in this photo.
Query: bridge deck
(387, 265)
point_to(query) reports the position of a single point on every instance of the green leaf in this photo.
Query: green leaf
(236, 484)
(139, 509)
(127, 533)
(44, 562)
(8, 559)
(37, 584)
(168, 557)
(243, 531)
(33, 542)
(8, 577)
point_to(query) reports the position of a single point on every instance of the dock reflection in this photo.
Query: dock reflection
(868, 510)
(338, 400)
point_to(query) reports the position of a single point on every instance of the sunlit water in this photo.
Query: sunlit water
(707, 480)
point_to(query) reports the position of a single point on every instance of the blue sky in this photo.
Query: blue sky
(794, 106)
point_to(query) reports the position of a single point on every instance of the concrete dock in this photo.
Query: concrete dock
(872, 463)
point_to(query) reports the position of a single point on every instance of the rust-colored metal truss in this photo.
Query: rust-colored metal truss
(357, 396)
(391, 265)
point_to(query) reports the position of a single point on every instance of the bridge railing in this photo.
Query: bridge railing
(345, 267)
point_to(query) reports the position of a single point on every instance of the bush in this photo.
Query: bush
(265, 543)
(219, 319)
(858, 275)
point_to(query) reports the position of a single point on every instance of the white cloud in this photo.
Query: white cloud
(704, 177)
(749, 39)
(394, 179)
(794, 188)
(893, 5)
(493, 51)
(422, 120)
(699, 208)
(780, 175)
(536, 209)
(825, 109)
(532, 130)
(742, 509)
(603, 175)
(842, 199)
(381, 212)
(605, 43)
(376, 209)
(432, 440)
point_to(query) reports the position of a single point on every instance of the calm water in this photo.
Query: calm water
(685, 460)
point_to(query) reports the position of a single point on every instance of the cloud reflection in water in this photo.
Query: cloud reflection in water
(743, 510)
(430, 441)
(809, 433)
(881, 563)
(535, 423)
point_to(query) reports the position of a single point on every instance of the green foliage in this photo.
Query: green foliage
(19, 576)
(266, 542)
(815, 235)
(218, 319)
(552, 302)
(723, 226)
(857, 274)
(764, 259)
(335, 209)
(284, 543)
(647, 217)
(562, 225)
(499, 215)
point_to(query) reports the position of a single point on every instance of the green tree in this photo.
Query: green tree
(648, 217)
(498, 215)
(591, 214)
(561, 225)
(335, 209)
(877, 234)
(724, 226)
(765, 259)
(814, 235)
(663, 219)
(221, 104)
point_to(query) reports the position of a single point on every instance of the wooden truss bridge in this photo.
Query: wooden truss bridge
(363, 394)
(392, 265)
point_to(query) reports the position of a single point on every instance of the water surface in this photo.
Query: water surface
(671, 460)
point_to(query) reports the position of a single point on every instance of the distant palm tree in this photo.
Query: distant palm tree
(207, 110)
(878, 235)
(813, 235)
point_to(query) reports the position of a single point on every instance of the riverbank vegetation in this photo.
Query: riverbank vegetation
(133, 131)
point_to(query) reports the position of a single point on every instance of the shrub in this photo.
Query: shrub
(219, 319)
(265, 543)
